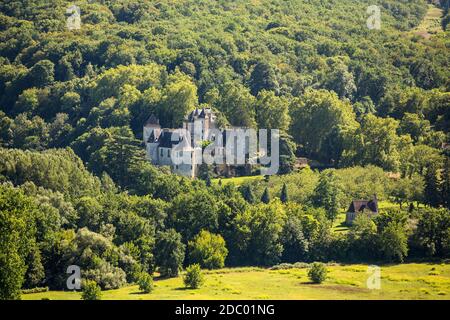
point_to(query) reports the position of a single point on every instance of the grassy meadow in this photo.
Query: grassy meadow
(404, 281)
(237, 181)
(431, 23)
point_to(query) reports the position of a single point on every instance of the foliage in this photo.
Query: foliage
(433, 233)
(328, 194)
(317, 273)
(17, 230)
(169, 253)
(258, 231)
(193, 278)
(208, 250)
(90, 290)
(145, 282)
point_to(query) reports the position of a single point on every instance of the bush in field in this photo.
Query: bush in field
(145, 282)
(193, 278)
(317, 273)
(91, 290)
(106, 275)
(208, 250)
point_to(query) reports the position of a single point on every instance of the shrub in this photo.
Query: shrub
(91, 290)
(317, 273)
(35, 290)
(106, 275)
(208, 250)
(193, 278)
(145, 282)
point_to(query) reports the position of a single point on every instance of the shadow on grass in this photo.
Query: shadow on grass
(139, 293)
(183, 289)
(309, 283)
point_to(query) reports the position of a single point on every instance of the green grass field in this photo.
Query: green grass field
(237, 181)
(405, 281)
(431, 23)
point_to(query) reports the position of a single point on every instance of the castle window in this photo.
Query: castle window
(161, 153)
(168, 153)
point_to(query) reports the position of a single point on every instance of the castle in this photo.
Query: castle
(163, 145)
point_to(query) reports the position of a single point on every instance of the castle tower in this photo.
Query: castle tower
(151, 133)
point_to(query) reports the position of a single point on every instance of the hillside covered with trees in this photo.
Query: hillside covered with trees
(76, 187)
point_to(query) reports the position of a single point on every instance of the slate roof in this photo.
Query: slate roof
(361, 205)
(172, 137)
(152, 121)
(199, 113)
(165, 139)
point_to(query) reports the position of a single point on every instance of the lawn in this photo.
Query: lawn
(431, 24)
(339, 224)
(237, 180)
(405, 281)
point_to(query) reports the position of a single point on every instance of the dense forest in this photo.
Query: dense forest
(76, 189)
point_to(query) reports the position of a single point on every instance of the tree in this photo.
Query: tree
(328, 194)
(90, 213)
(446, 182)
(145, 282)
(284, 197)
(35, 275)
(17, 239)
(118, 156)
(432, 192)
(414, 125)
(258, 233)
(433, 232)
(238, 105)
(295, 245)
(194, 211)
(193, 278)
(12, 273)
(271, 111)
(91, 291)
(341, 80)
(169, 253)
(363, 107)
(362, 238)
(28, 101)
(287, 153)
(375, 142)
(317, 272)
(42, 73)
(247, 193)
(64, 70)
(426, 74)
(266, 196)
(208, 250)
(262, 77)
(96, 255)
(319, 123)
(179, 97)
(394, 241)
